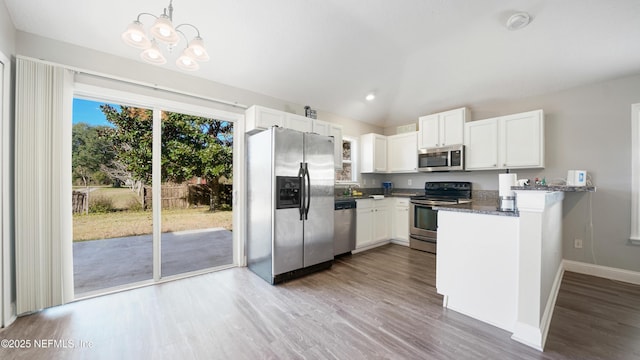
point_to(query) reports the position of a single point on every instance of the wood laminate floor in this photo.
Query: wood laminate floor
(380, 304)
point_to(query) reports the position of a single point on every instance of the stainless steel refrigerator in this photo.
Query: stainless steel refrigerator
(290, 203)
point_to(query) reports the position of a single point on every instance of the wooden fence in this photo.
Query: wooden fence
(181, 196)
(79, 202)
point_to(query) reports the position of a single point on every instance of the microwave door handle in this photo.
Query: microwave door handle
(302, 191)
(306, 211)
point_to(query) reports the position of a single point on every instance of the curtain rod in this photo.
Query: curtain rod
(133, 82)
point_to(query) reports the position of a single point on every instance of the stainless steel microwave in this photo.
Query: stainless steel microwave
(446, 158)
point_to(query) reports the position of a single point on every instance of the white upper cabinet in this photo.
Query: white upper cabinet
(481, 144)
(403, 152)
(373, 153)
(429, 131)
(321, 127)
(297, 122)
(336, 132)
(522, 139)
(442, 129)
(258, 118)
(507, 142)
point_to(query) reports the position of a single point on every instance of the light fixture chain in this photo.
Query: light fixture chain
(170, 10)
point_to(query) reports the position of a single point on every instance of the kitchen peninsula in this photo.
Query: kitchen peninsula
(504, 268)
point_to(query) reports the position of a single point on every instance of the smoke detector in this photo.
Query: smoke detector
(518, 20)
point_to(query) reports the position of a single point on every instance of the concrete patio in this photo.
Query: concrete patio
(101, 264)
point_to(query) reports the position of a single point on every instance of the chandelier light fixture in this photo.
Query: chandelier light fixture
(164, 32)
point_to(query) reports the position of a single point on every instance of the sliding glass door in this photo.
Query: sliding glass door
(197, 164)
(152, 194)
(112, 222)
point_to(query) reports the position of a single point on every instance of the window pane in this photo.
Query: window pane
(346, 150)
(112, 226)
(196, 193)
(345, 173)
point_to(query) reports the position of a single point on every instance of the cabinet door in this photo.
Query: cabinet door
(428, 131)
(260, 118)
(452, 127)
(401, 223)
(481, 144)
(364, 227)
(366, 153)
(336, 132)
(380, 153)
(373, 153)
(381, 223)
(321, 127)
(403, 152)
(522, 140)
(297, 122)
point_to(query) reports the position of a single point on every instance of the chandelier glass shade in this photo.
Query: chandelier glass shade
(164, 32)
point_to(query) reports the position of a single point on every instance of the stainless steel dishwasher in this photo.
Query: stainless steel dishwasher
(344, 226)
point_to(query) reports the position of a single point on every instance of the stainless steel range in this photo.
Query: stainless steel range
(423, 220)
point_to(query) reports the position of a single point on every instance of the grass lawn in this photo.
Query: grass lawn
(125, 223)
(121, 198)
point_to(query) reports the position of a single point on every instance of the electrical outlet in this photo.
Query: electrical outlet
(577, 243)
(409, 182)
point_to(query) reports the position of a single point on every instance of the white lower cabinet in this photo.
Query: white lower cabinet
(400, 226)
(373, 223)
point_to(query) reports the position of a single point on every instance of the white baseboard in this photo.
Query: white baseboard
(533, 336)
(369, 247)
(545, 323)
(528, 335)
(606, 272)
(400, 242)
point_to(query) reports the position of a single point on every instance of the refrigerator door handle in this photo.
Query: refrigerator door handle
(301, 174)
(308, 190)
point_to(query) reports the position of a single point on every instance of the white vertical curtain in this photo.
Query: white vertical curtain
(43, 223)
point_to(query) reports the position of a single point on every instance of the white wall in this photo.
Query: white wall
(7, 268)
(67, 54)
(7, 31)
(587, 128)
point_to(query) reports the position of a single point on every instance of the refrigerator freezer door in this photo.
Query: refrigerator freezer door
(318, 228)
(288, 229)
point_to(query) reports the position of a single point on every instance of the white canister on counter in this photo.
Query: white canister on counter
(576, 178)
(506, 196)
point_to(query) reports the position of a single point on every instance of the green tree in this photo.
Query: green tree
(192, 146)
(131, 139)
(89, 151)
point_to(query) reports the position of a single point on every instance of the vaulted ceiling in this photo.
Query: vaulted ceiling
(417, 56)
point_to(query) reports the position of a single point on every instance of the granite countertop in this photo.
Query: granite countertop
(367, 192)
(343, 197)
(486, 207)
(565, 188)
